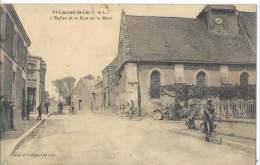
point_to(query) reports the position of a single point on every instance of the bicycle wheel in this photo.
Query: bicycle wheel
(126, 114)
(136, 117)
(202, 131)
(217, 135)
(75, 111)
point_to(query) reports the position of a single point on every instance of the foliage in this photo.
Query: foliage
(89, 76)
(65, 87)
(59, 86)
(185, 92)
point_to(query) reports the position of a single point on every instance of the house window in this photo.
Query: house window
(31, 70)
(201, 79)
(244, 79)
(15, 45)
(9, 36)
(155, 84)
(2, 27)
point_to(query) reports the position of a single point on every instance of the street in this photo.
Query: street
(89, 138)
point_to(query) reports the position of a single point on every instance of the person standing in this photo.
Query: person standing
(28, 109)
(47, 104)
(11, 109)
(23, 108)
(60, 106)
(39, 108)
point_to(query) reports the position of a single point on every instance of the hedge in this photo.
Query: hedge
(186, 92)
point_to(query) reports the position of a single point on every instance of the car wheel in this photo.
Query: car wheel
(157, 115)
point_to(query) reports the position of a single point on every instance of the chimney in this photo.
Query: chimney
(123, 15)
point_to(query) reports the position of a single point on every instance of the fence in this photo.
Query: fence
(240, 109)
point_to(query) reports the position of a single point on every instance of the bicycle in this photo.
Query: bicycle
(130, 114)
(73, 110)
(215, 136)
(134, 115)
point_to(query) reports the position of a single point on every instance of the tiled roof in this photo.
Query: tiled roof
(35, 57)
(89, 84)
(114, 62)
(187, 40)
(18, 23)
(249, 20)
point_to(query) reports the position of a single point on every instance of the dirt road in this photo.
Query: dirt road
(92, 139)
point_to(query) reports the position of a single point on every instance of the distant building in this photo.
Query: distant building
(84, 93)
(99, 95)
(35, 82)
(217, 48)
(109, 86)
(13, 57)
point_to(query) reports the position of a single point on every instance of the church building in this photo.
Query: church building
(216, 48)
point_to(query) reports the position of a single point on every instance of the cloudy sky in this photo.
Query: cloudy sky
(80, 47)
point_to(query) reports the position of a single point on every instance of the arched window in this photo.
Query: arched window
(155, 84)
(244, 79)
(201, 79)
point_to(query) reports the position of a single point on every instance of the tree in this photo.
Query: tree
(59, 87)
(69, 84)
(89, 76)
(65, 87)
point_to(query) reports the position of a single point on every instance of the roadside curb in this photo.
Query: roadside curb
(243, 147)
(18, 141)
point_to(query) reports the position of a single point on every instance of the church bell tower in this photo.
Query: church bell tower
(220, 19)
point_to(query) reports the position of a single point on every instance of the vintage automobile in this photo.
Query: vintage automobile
(168, 112)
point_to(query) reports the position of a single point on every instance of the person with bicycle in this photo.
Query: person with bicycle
(208, 116)
(132, 109)
(72, 108)
(177, 107)
(193, 113)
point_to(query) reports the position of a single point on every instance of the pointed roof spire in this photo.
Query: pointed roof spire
(123, 15)
(123, 12)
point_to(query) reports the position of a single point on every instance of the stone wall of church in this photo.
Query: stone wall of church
(235, 71)
(167, 76)
(215, 76)
(212, 73)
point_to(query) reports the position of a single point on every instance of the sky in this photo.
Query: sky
(80, 47)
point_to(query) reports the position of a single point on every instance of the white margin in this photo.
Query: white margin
(167, 2)
(132, 1)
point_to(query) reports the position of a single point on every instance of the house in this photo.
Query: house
(99, 95)
(14, 42)
(35, 82)
(109, 86)
(84, 93)
(217, 48)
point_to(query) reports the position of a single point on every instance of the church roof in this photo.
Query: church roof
(249, 20)
(113, 63)
(187, 40)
